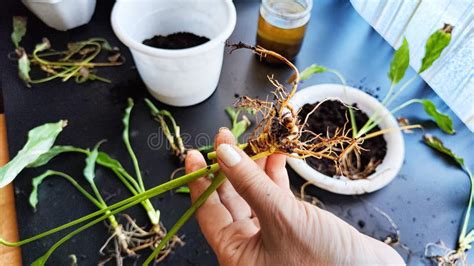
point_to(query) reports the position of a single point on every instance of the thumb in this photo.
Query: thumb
(249, 180)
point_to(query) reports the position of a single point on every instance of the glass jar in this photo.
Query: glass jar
(282, 26)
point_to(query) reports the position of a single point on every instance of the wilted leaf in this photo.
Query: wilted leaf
(53, 152)
(183, 190)
(24, 66)
(106, 46)
(404, 122)
(33, 199)
(40, 140)
(400, 62)
(310, 71)
(19, 30)
(89, 170)
(114, 58)
(438, 145)
(442, 120)
(44, 45)
(435, 46)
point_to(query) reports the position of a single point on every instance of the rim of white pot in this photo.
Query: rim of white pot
(152, 51)
(384, 173)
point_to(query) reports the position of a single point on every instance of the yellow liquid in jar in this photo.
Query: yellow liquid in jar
(286, 42)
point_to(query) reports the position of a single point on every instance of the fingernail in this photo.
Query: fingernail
(228, 155)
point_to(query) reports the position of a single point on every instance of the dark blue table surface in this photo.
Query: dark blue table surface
(426, 200)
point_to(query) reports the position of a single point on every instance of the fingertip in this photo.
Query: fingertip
(194, 161)
(224, 136)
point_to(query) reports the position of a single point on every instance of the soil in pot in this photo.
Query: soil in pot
(332, 115)
(178, 40)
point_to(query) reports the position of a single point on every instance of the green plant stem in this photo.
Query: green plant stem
(85, 61)
(126, 140)
(402, 88)
(78, 187)
(405, 104)
(216, 182)
(116, 208)
(369, 126)
(463, 233)
(389, 98)
(375, 120)
(351, 111)
(132, 186)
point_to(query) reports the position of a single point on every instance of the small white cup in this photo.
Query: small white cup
(62, 14)
(180, 77)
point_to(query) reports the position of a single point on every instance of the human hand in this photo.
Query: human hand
(254, 219)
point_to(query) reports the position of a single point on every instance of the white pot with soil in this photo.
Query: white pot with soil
(384, 155)
(178, 75)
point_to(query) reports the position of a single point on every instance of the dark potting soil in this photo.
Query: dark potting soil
(178, 40)
(332, 115)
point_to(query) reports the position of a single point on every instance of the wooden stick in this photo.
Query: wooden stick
(8, 226)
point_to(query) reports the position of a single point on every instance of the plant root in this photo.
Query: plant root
(143, 239)
(278, 128)
(309, 198)
(130, 239)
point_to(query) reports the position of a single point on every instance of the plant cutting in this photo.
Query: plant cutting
(466, 236)
(278, 131)
(78, 62)
(119, 237)
(362, 121)
(172, 132)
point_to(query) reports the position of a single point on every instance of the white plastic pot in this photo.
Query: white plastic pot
(391, 164)
(62, 14)
(179, 77)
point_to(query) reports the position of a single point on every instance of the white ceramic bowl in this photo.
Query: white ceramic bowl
(385, 172)
(62, 14)
(179, 77)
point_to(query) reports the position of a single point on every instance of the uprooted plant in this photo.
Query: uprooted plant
(278, 130)
(126, 240)
(119, 237)
(349, 164)
(78, 62)
(466, 238)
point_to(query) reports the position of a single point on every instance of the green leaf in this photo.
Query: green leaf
(107, 161)
(51, 154)
(232, 113)
(40, 140)
(19, 30)
(438, 145)
(126, 120)
(41, 261)
(89, 170)
(400, 62)
(183, 190)
(240, 127)
(33, 199)
(24, 66)
(435, 46)
(442, 120)
(311, 70)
